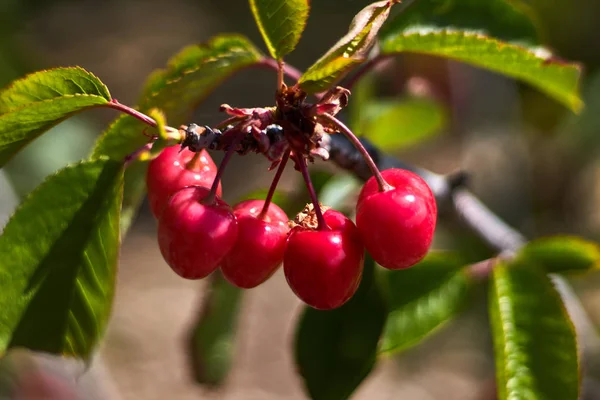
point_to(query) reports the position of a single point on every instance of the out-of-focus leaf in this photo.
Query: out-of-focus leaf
(350, 50)
(64, 144)
(294, 201)
(59, 256)
(133, 192)
(393, 125)
(281, 23)
(194, 73)
(578, 133)
(534, 339)
(135, 174)
(213, 336)
(556, 78)
(338, 190)
(335, 350)
(511, 21)
(189, 77)
(363, 94)
(32, 105)
(562, 254)
(422, 299)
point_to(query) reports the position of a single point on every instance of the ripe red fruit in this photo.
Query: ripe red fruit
(324, 267)
(396, 225)
(260, 244)
(195, 237)
(172, 170)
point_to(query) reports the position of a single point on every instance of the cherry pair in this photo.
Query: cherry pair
(198, 232)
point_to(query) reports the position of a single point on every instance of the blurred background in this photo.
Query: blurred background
(532, 161)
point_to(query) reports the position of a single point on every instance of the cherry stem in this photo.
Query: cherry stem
(322, 225)
(288, 70)
(190, 165)
(213, 189)
(228, 121)
(280, 73)
(383, 185)
(114, 103)
(276, 178)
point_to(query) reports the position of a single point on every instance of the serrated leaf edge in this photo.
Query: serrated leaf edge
(540, 53)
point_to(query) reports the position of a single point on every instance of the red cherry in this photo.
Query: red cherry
(324, 267)
(396, 225)
(172, 170)
(195, 237)
(260, 244)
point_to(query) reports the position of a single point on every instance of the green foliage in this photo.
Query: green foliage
(340, 192)
(510, 21)
(193, 73)
(59, 255)
(562, 254)
(120, 134)
(51, 84)
(534, 339)
(394, 125)
(423, 298)
(188, 79)
(556, 78)
(281, 23)
(32, 105)
(335, 350)
(350, 50)
(578, 135)
(213, 336)
(134, 187)
(134, 191)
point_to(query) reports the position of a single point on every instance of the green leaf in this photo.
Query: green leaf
(59, 256)
(36, 103)
(135, 173)
(562, 254)
(51, 84)
(340, 192)
(335, 350)
(554, 77)
(392, 125)
(422, 299)
(511, 21)
(188, 79)
(363, 94)
(281, 23)
(213, 336)
(193, 73)
(134, 191)
(350, 50)
(534, 339)
(124, 136)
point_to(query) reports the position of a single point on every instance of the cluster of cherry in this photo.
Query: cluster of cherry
(322, 251)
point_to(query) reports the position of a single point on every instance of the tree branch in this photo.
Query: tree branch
(474, 215)
(472, 212)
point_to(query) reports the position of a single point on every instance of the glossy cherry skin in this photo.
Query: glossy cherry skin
(397, 225)
(172, 170)
(324, 267)
(259, 247)
(194, 237)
